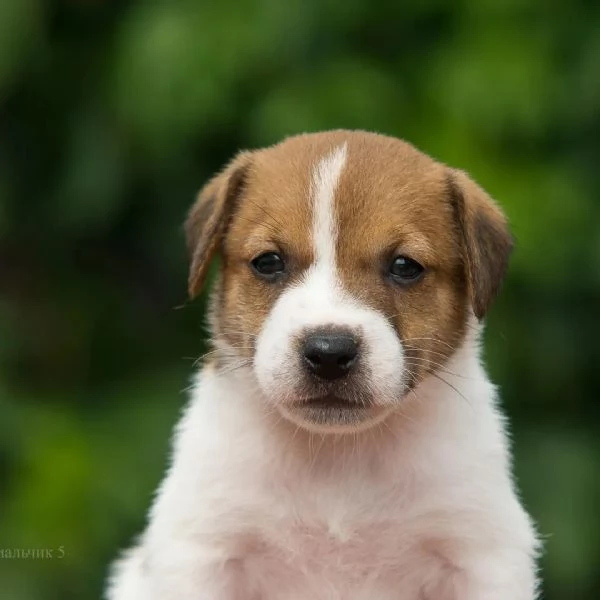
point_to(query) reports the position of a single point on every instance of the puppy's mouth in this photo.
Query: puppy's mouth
(331, 401)
(331, 412)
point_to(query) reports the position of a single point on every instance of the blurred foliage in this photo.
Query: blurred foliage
(112, 114)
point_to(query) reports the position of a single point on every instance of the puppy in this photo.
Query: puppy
(342, 441)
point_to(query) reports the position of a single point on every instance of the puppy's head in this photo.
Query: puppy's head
(351, 264)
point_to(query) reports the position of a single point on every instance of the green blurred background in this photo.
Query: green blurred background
(113, 114)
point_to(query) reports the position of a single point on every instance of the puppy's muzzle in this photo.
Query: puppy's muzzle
(329, 354)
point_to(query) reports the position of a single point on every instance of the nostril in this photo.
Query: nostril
(346, 360)
(313, 358)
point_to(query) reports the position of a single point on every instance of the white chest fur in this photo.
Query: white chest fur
(421, 507)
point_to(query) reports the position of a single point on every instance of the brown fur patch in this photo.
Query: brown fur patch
(276, 215)
(486, 241)
(207, 221)
(392, 200)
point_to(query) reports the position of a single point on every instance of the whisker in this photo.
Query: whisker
(414, 392)
(266, 212)
(233, 332)
(265, 224)
(424, 362)
(454, 388)
(416, 339)
(202, 357)
(426, 350)
(314, 460)
(385, 424)
(187, 388)
(231, 368)
(429, 339)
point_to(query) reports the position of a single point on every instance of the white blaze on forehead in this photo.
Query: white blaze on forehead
(319, 299)
(325, 178)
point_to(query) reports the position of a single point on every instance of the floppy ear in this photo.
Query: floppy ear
(486, 240)
(208, 218)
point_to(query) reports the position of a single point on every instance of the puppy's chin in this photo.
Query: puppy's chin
(333, 415)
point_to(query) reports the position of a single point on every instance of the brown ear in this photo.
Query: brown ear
(486, 240)
(208, 218)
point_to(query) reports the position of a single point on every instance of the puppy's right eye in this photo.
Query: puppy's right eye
(268, 265)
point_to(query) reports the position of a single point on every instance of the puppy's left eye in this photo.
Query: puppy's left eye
(268, 265)
(405, 270)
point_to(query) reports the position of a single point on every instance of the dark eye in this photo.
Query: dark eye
(405, 270)
(268, 265)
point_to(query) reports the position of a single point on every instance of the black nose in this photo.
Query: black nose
(329, 355)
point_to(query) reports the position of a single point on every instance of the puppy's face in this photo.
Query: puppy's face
(350, 265)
